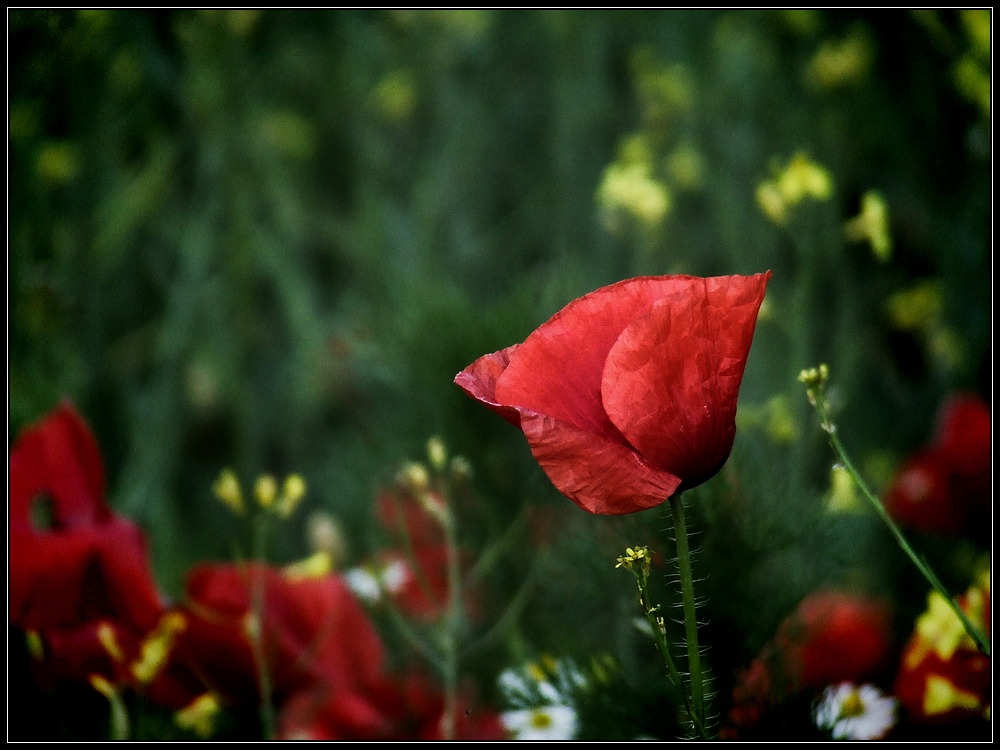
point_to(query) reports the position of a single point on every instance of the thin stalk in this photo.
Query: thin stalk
(452, 623)
(660, 636)
(690, 617)
(981, 641)
(257, 583)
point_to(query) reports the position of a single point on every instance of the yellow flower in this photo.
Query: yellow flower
(842, 63)
(800, 179)
(155, 649)
(227, 489)
(632, 188)
(872, 225)
(199, 715)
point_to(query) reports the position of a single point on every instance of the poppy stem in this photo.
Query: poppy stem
(815, 379)
(690, 617)
(256, 624)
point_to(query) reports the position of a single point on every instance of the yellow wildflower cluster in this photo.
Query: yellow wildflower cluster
(919, 310)
(227, 489)
(799, 180)
(972, 71)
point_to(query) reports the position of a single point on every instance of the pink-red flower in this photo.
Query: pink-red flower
(77, 570)
(945, 487)
(628, 394)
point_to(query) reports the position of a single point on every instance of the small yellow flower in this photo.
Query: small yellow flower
(941, 696)
(155, 649)
(631, 187)
(292, 492)
(837, 64)
(843, 496)
(109, 640)
(199, 715)
(266, 490)
(437, 454)
(227, 489)
(317, 565)
(800, 179)
(872, 225)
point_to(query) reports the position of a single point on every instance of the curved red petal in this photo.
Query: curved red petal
(58, 457)
(557, 370)
(671, 380)
(479, 380)
(599, 475)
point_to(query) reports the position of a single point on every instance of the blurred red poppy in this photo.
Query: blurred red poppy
(74, 565)
(390, 709)
(311, 631)
(628, 394)
(831, 637)
(945, 487)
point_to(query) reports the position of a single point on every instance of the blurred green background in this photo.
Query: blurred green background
(269, 240)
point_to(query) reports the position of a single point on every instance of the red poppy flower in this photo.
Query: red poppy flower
(945, 487)
(388, 709)
(82, 565)
(628, 394)
(312, 631)
(831, 637)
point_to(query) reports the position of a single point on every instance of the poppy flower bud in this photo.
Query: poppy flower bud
(628, 394)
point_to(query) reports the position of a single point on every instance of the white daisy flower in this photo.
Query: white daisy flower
(856, 712)
(542, 723)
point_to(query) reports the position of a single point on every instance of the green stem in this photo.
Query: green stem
(981, 641)
(257, 583)
(452, 623)
(664, 648)
(690, 617)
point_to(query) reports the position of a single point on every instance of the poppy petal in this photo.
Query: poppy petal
(671, 380)
(479, 380)
(557, 370)
(601, 476)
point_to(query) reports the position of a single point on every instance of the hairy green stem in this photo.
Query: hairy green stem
(660, 636)
(690, 617)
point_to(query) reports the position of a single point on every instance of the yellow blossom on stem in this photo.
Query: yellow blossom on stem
(227, 489)
(199, 715)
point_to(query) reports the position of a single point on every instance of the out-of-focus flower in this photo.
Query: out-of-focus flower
(633, 189)
(800, 179)
(76, 568)
(395, 96)
(543, 696)
(943, 677)
(831, 637)
(918, 309)
(199, 716)
(843, 496)
(309, 630)
(628, 394)
(945, 487)
(541, 723)
(855, 712)
(388, 709)
(872, 225)
(840, 63)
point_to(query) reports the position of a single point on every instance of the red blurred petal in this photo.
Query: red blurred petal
(672, 378)
(963, 434)
(599, 475)
(920, 497)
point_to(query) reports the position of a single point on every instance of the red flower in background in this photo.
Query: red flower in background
(313, 631)
(628, 394)
(82, 571)
(831, 637)
(391, 709)
(943, 677)
(945, 488)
